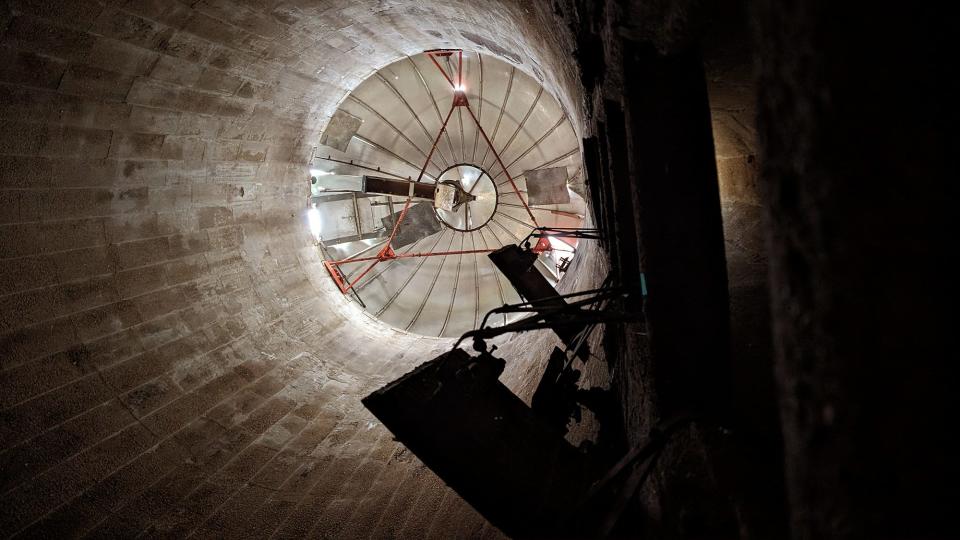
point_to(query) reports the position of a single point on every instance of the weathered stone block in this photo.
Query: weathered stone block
(25, 171)
(96, 83)
(141, 252)
(29, 69)
(73, 234)
(183, 148)
(136, 145)
(87, 294)
(216, 80)
(106, 320)
(149, 120)
(45, 37)
(120, 57)
(77, 141)
(176, 70)
(253, 151)
(132, 29)
(82, 263)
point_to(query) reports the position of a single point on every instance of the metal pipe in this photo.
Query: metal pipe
(412, 255)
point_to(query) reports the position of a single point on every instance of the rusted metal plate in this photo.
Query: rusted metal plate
(341, 129)
(420, 222)
(547, 186)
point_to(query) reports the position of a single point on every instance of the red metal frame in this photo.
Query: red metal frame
(387, 253)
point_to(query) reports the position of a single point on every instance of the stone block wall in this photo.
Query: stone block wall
(173, 358)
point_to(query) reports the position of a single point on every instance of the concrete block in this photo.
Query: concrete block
(87, 294)
(31, 342)
(183, 148)
(45, 37)
(29, 308)
(185, 269)
(81, 263)
(170, 13)
(30, 418)
(205, 127)
(137, 370)
(141, 252)
(29, 69)
(738, 177)
(73, 234)
(106, 320)
(141, 172)
(25, 171)
(79, 172)
(120, 57)
(225, 237)
(22, 138)
(176, 70)
(10, 207)
(224, 150)
(26, 273)
(188, 46)
(131, 226)
(150, 396)
(77, 203)
(215, 216)
(234, 107)
(167, 200)
(215, 31)
(90, 113)
(114, 348)
(251, 20)
(132, 29)
(182, 245)
(133, 283)
(136, 145)
(253, 151)
(76, 141)
(19, 240)
(149, 120)
(96, 83)
(76, 13)
(51, 448)
(215, 80)
(152, 93)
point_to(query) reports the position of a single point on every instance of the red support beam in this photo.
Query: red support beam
(497, 155)
(387, 253)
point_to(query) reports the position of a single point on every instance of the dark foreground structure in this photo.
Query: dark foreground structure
(177, 360)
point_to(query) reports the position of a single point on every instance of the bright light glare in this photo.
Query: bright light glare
(460, 88)
(318, 172)
(313, 218)
(558, 244)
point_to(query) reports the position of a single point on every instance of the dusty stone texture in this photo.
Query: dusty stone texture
(860, 207)
(173, 357)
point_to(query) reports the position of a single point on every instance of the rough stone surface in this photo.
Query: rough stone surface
(173, 358)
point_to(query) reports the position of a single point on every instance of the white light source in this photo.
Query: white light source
(318, 172)
(459, 88)
(313, 219)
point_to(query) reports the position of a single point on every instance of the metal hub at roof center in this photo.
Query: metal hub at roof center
(466, 198)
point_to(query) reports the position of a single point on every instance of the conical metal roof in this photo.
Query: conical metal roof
(387, 127)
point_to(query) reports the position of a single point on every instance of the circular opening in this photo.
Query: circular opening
(470, 197)
(476, 190)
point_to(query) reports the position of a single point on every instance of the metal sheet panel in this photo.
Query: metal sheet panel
(420, 222)
(547, 186)
(341, 129)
